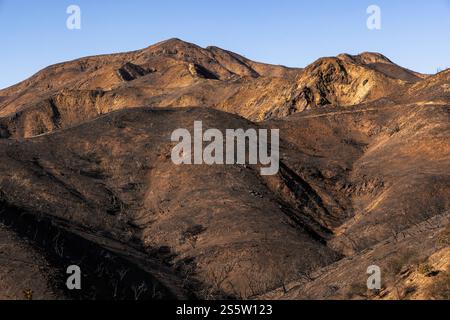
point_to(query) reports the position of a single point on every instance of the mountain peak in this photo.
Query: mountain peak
(365, 58)
(173, 43)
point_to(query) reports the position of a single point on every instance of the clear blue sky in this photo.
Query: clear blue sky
(33, 34)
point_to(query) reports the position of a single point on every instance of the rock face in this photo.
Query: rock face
(86, 177)
(130, 72)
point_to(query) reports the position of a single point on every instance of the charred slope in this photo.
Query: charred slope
(106, 275)
(364, 161)
(378, 170)
(381, 170)
(111, 182)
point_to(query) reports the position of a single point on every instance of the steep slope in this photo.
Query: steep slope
(433, 90)
(382, 171)
(19, 260)
(112, 182)
(382, 64)
(374, 157)
(344, 81)
(413, 266)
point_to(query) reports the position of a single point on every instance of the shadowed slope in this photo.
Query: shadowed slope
(111, 181)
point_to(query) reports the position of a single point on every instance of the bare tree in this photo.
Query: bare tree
(139, 290)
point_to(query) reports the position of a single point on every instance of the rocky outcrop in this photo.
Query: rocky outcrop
(130, 72)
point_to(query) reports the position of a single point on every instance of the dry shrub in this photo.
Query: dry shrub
(397, 263)
(440, 289)
(425, 269)
(443, 239)
(357, 289)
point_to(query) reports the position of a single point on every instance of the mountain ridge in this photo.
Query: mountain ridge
(176, 73)
(85, 163)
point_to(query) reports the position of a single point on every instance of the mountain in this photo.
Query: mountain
(179, 74)
(86, 178)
